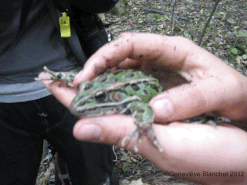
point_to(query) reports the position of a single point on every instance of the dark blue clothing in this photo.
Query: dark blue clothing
(23, 54)
(28, 113)
(23, 126)
(22, 57)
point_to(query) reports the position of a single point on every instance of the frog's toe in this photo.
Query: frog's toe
(130, 136)
(42, 79)
(139, 140)
(123, 143)
(135, 148)
(139, 133)
(153, 138)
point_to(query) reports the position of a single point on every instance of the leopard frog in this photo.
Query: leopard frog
(121, 91)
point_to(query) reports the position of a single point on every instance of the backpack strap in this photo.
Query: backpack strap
(88, 26)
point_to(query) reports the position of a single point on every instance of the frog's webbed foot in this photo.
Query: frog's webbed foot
(140, 133)
(130, 136)
(153, 138)
(56, 76)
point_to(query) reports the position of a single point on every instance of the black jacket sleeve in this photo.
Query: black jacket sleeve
(94, 6)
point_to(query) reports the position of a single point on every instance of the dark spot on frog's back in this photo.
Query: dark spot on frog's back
(102, 78)
(145, 92)
(175, 47)
(135, 87)
(145, 83)
(153, 86)
(81, 104)
(88, 86)
(113, 80)
(129, 75)
(141, 110)
(122, 90)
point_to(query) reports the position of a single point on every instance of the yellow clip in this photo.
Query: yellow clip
(65, 25)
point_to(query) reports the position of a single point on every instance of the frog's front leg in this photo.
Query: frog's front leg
(144, 116)
(63, 76)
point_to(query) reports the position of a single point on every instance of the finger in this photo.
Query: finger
(64, 94)
(187, 147)
(202, 96)
(110, 130)
(162, 51)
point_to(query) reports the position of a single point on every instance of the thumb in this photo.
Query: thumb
(112, 129)
(202, 96)
(179, 103)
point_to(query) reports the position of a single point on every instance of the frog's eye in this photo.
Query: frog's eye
(59, 76)
(100, 96)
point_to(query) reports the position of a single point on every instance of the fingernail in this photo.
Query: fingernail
(89, 132)
(163, 108)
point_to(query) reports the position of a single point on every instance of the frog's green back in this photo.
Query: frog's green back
(145, 89)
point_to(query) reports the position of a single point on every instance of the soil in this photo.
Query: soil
(132, 169)
(225, 36)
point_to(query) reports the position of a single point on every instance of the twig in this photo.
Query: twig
(210, 27)
(173, 9)
(206, 25)
(163, 13)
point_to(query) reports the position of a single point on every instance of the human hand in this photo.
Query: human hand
(211, 86)
(209, 78)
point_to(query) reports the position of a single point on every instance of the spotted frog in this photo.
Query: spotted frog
(121, 91)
